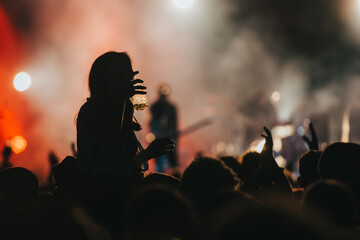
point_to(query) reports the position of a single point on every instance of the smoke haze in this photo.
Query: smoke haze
(214, 55)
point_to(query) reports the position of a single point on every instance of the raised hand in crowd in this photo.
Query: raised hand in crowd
(53, 158)
(270, 168)
(159, 147)
(267, 155)
(269, 176)
(312, 143)
(6, 157)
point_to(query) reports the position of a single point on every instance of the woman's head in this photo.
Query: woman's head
(110, 75)
(109, 81)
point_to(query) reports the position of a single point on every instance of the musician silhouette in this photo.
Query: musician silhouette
(164, 123)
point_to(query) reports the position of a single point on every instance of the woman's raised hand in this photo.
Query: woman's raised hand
(136, 87)
(159, 147)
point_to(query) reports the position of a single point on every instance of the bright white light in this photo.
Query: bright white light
(277, 144)
(346, 126)
(300, 130)
(275, 96)
(183, 3)
(283, 131)
(260, 146)
(220, 147)
(257, 145)
(230, 149)
(281, 161)
(22, 81)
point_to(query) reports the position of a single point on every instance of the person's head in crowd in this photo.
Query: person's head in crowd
(50, 218)
(228, 196)
(110, 73)
(164, 90)
(18, 184)
(233, 163)
(308, 168)
(270, 222)
(158, 210)
(161, 178)
(341, 161)
(206, 177)
(250, 162)
(333, 199)
(226, 206)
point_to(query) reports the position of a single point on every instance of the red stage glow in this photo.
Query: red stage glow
(9, 59)
(9, 47)
(9, 127)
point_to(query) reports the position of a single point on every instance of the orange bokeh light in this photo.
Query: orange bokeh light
(18, 144)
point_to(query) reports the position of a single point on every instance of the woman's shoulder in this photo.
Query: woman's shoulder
(90, 107)
(88, 112)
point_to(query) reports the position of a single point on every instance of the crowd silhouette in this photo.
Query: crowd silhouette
(104, 191)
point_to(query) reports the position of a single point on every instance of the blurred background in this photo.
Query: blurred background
(244, 64)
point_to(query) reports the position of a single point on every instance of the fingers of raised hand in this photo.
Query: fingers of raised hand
(306, 139)
(268, 132)
(268, 138)
(268, 135)
(136, 88)
(139, 87)
(135, 73)
(312, 130)
(167, 144)
(139, 92)
(136, 81)
(311, 126)
(169, 148)
(165, 141)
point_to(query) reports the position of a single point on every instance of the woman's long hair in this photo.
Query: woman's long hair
(100, 76)
(102, 69)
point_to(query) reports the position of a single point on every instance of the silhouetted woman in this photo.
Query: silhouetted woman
(106, 140)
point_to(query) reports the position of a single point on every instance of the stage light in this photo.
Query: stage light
(257, 145)
(281, 161)
(18, 144)
(230, 149)
(345, 130)
(275, 96)
(283, 131)
(183, 3)
(149, 137)
(260, 146)
(300, 130)
(22, 81)
(220, 147)
(165, 89)
(277, 144)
